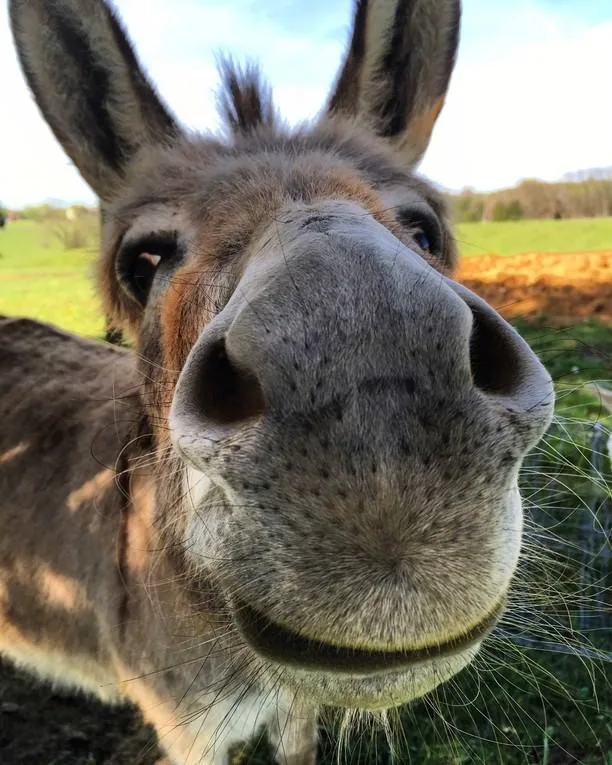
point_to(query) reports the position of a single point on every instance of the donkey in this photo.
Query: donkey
(298, 487)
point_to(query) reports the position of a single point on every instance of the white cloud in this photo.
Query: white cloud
(532, 100)
(531, 95)
(31, 164)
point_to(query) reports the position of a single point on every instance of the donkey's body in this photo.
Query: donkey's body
(86, 598)
(302, 488)
(59, 443)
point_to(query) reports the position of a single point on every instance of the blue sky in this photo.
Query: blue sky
(531, 95)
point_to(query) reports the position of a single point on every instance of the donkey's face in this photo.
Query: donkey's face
(347, 422)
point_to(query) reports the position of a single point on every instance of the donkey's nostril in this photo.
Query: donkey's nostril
(226, 393)
(495, 360)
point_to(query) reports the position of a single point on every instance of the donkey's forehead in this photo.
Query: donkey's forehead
(200, 174)
(218, 197)
(227, 231)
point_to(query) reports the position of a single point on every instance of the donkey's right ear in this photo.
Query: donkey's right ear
(89, 85)
(397, 69)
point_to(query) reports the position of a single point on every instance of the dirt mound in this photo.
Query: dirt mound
(563, 287)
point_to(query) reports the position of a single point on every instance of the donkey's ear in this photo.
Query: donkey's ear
(397, 69)
(88, 85)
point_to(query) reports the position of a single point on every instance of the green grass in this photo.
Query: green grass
(574, 356)
(536, 707)
(515, 237)
(40, 279)
(520, 715)
(26, 245)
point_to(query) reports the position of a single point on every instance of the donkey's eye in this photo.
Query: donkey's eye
(422, 240)
(143, 272)
(140, 259)
(425, 228)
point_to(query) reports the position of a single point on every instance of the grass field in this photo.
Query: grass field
(522, 707)
(515, 237)
(40, 279)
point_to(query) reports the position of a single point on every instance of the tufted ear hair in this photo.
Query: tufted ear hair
(89, 85)
(397, 69)
(245, 99)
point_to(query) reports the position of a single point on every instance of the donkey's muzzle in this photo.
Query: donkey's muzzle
(321, 317)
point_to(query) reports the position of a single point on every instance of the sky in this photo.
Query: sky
(531, 95)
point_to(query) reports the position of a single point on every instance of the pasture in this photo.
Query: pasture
(39, 278)
(519, 704)
(540, 236)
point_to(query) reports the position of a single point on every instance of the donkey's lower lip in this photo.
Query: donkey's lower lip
(284, 646)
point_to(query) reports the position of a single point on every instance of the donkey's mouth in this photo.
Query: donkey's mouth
(279, 644)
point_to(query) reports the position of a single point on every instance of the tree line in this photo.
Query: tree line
(531, 198)
(535, 199)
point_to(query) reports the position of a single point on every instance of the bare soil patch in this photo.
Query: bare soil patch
(561, 287)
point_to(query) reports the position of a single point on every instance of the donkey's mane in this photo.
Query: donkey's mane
(245, 97)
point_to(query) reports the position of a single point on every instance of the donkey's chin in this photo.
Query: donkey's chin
(376, 692)
(355, 677)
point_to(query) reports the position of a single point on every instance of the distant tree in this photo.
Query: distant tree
(43, 213)
(514, 211)
(500, 211)
(78, 231)
(536, 199)
(467, 206)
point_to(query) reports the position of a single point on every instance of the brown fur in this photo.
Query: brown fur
(300, 486)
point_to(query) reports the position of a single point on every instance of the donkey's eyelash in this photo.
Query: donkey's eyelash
(425, 226)
(139, 258)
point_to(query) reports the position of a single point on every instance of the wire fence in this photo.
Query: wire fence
(566, 484)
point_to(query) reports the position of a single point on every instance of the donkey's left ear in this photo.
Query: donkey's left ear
(397, 69)
(89, 86)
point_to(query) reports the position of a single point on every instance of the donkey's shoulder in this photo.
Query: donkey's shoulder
(29, 340)
(33, 352)
(45, 370)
